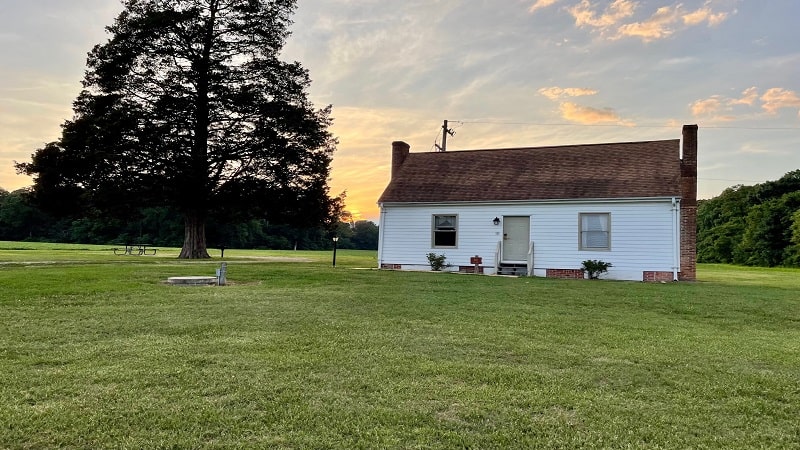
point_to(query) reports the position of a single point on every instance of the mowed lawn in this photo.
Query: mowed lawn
(96, 351)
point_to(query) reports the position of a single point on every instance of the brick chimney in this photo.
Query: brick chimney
(688, 184)
(399, 153)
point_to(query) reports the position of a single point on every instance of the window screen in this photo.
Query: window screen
(594, 231)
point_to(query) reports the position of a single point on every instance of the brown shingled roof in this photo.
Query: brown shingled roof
(620, 170)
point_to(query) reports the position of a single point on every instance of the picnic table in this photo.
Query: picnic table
(135, 249)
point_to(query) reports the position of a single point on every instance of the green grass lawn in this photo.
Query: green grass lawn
(96, 351)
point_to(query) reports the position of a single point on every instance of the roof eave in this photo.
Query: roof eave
(538, 201)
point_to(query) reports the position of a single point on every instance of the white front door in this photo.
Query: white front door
(516, 238)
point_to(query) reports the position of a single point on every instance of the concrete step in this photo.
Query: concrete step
(192, 281)
(513, 269)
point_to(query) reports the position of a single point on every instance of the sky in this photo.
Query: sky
(513, 73)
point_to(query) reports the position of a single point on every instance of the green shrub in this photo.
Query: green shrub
(437, 262)
(595, 268)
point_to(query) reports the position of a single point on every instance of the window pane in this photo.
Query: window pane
(595, 222)
(595, 239)
(445, 222)
(444, 239)
(594, 231)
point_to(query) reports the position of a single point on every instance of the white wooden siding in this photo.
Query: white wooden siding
(641, 235)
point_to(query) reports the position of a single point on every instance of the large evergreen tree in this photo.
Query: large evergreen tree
(188, 105)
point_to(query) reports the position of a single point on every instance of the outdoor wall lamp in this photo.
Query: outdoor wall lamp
(496, 221)
(335, 240)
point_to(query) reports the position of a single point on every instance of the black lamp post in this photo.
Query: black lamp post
(335, 240)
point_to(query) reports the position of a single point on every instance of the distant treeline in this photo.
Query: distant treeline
(22, 220)
(752, 225)
(749, 225)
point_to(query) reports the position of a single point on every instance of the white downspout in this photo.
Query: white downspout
(381, 227)
(676, 236)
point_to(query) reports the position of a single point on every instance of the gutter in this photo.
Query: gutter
(381, 228)
(676, 245)
(532, 201)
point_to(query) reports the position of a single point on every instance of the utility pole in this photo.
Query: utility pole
(445, 132)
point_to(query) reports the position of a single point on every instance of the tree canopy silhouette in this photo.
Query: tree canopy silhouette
(188, 105)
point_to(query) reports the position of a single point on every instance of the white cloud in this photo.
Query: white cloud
(616, 20)
(677, 61)
(773, 100)
(541, 4)
(749, 97)
(587, 115)
(586, 15)
(754, 148)
(555, 93)
(704, 14)
(778, 98)
(578, 113)
(707, 106)
(658, 26)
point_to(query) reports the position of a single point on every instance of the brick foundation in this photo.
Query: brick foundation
(392, 266)
(572, 274)
(469, 269)
(657, 276)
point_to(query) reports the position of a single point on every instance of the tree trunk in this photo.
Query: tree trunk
(194, 240)
(194, 236)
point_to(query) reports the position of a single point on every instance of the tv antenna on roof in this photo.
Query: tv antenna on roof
(445, 132)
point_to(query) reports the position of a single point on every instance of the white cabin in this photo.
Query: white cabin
(543, 211)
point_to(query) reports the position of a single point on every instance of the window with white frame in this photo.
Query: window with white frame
(595, 231)
(445, 230)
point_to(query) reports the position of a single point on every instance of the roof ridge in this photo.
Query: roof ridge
(552, 146)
